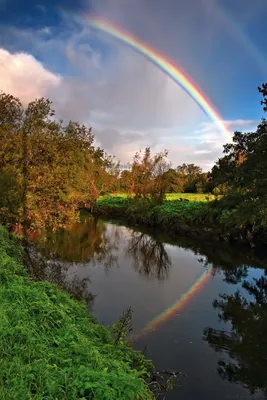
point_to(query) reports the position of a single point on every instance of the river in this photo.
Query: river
(197, 308)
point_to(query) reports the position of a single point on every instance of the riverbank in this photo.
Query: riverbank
(50, 347)
(216, 220)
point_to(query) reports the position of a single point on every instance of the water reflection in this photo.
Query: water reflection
(85, 241)
(57, 272)
(149, 257)
(94, 249)
(93, 241)
(246, 342)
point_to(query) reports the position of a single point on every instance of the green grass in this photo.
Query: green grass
(51, 348)
(172, 196)
(190, 196)
(171, 212)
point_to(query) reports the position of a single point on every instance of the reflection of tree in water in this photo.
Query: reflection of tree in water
(85, 241)
(246, 344)
(54, 253)
(233, 260)
(149, 256)
(56, 272)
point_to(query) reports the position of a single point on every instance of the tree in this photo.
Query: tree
(175, 184)
(190, 175)
(243, 168)
(226, 170)
(147, 175)
(11, 117)
(189, 169)
(50, 168)
(126, 181)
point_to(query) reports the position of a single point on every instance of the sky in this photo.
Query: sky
(48, 48)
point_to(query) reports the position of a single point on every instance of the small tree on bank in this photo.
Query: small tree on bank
(148, 176)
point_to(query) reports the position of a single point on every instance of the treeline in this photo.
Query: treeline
(186, 178)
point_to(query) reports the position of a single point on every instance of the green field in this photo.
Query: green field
(190, 196)
(173, 196)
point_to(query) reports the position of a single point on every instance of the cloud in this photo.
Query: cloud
(208, 132)
(205, 145)
(231, 125)
(45, 31)
(130, 91)
(130, 108)
(127, 100)
(25, 77)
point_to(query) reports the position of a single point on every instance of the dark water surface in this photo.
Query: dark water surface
(216, 335)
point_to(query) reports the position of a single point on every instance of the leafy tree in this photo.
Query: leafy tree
(11, 117)
(126, 181)
(189, 169)
(191, 175)
(175, 184)
(50, 168)
(243, 168)
(225, 171)
(148, 177)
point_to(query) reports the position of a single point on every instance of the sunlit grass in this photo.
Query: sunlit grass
(172, 196)
(190, 196)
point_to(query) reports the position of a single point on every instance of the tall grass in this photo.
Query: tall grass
(51, 348)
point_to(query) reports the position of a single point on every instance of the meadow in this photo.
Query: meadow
(190, 196)
(171, 196)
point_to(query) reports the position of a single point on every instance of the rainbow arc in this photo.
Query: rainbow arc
(177, 305)
(166, 66)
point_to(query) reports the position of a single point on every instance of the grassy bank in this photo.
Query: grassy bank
(51, 348)
(225, 219)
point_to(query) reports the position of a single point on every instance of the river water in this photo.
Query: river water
(197, 308)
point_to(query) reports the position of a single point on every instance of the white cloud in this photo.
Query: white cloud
(25, 77)
(45, 31)
(231, 125)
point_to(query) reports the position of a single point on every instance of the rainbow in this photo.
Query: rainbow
(177, 306)
(166, 66)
